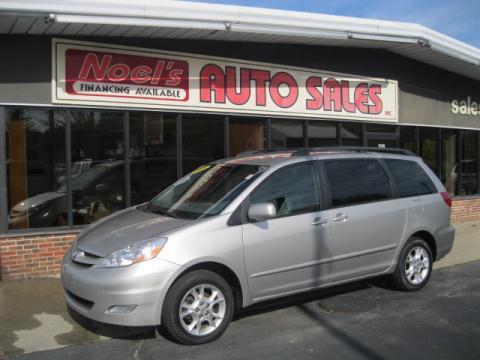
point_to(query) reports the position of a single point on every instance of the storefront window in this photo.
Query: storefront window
(287, 134)
(407, 138)
(428, 147)
(449, 160)
(322, 133)
(153, 154)
(351, 134)
(35, 168)
(246, 134)
(469, 163)
(98, 172)
(203, 140)
(382, 136)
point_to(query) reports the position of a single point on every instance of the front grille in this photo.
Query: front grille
(84, 302)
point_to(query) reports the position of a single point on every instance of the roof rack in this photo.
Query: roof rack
(263, 151)
(307, 151)
(360, 149)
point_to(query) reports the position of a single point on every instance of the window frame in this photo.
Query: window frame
(328, 189)
(320, 198)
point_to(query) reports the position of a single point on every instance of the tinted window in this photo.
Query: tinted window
(153, 150)
(292, 190)
(410, 178)
(98, 183)
(203, 140)
(36, 166)
(356, 181)
(287, 134)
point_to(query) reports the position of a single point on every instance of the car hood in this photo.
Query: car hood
(124, 229)
(37, 200)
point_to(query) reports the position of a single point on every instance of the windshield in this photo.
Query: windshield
(204, 192)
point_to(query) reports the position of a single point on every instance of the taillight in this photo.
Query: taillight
(447, 198)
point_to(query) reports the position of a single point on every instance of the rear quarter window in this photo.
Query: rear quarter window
(410, 178)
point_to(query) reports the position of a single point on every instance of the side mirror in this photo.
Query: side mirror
(262, 211)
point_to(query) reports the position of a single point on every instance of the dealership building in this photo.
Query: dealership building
(105, 103)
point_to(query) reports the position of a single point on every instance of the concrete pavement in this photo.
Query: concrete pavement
(365, 321)
(33, 315)
(466, 247)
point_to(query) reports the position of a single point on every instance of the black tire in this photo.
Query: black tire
(399, 278)
(171, 322)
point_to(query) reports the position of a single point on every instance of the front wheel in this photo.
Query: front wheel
(198, 308)
(414, 266)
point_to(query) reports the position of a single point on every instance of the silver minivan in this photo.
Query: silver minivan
(259, 226)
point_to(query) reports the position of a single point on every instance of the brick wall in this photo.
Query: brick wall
(41, 255)
(465, 209)
(32, 256)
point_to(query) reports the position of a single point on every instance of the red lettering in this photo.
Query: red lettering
(313, 83)
(118, 72)
(91, 64)
(288, 80)
(141, 74)
(175, 77)
(212, 79)
(373, 92)
(157, 74)
(260, 77)
(346, 103)
(241, 97)
(332, 93)
(361, 97)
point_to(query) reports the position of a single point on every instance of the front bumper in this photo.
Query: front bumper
(91, 291)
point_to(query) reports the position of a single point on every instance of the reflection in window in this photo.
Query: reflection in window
(356, 181)
(351, 134)
(206, 191)
(428, 147)
(153, 154)
(98, 184)
(322, 133)
(287, 134)
(469, 163)
(203, 140)
(407, 138)
(292, 190)
(410, 178)
(36, 166)
(449, 160)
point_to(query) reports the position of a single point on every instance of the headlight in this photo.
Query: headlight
(144, 250)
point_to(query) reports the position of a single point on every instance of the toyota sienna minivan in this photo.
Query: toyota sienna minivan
(259, 226)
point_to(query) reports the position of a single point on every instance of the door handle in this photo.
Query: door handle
(340, 217)
(319, 221)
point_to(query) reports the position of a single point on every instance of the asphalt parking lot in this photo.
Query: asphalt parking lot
(361, 321)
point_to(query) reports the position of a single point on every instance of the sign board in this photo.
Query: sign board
(109, 75)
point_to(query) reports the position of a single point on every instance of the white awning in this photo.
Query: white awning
(187, 20)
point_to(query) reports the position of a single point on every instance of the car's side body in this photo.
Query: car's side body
(262, 260)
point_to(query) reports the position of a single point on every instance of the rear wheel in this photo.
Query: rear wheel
(414, 266)
(198, 308)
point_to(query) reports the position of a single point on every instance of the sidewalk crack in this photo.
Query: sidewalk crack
(137, 350)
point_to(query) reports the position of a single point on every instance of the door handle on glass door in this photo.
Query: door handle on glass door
(340, 217)
(319, 221)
